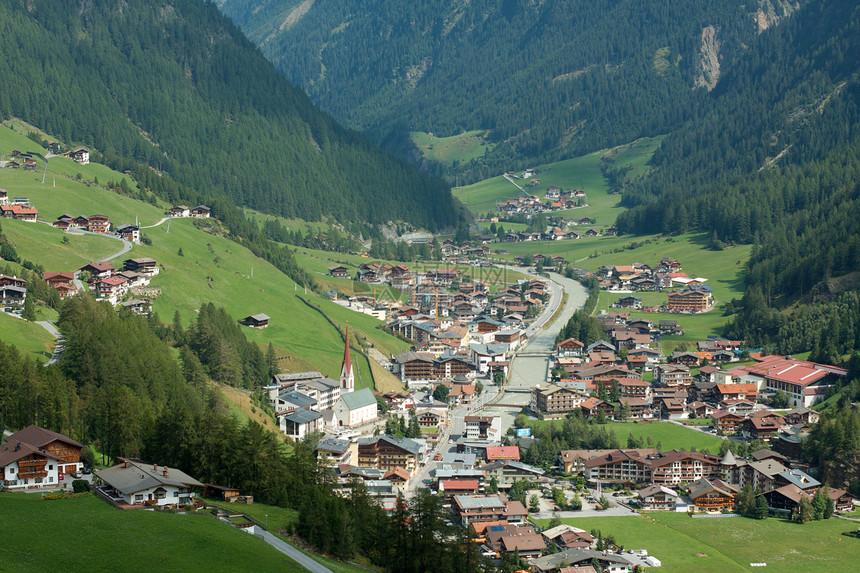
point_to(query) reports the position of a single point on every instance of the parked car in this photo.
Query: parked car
(75, 475)
(88, 471)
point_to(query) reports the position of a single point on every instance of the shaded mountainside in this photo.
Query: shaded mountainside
(548, 79)
(175, 84)
(775, 162)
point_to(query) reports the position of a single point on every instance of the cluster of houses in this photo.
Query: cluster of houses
(17, 208)
(555, 234)
(184, 211)
(694, 481)
(734, 398)
(461, 336)
(556, 200)
(685, 294)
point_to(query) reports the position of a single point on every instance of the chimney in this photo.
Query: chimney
(125, 464)
(165, 471)
(155, 467)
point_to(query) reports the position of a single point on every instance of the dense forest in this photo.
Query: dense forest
(174, 84)
(547, 79)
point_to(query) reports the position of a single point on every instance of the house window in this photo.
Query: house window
(38, 480)
(51, 479)
(138, 497)
(175, 494)
(51, 466)
(11, 470)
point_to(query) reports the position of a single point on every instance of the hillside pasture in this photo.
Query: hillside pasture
(175, 542)
(454, 149)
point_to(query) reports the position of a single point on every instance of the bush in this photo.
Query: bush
(80, 486)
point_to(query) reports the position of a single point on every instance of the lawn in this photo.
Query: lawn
(670, 436)
(84, 534)
(731, 544)
(30, 338)
(461, 148)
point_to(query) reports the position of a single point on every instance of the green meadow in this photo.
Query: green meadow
(718, 545)
(576, 173)
(91, 531)
(30, 338)
(461, 148)
(44, 244)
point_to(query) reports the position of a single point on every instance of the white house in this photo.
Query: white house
(140, 483)
(355, 408)
(35, 457)
(299, 423)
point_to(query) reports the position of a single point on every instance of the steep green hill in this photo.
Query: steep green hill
(174, 84)
(210, 268)
(546, 79)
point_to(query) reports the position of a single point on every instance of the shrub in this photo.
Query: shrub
(80, 486)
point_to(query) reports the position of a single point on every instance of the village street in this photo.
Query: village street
(526, 372)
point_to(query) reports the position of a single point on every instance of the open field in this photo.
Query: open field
(214, 269)
(670, 436)
(84, 533)
(576, 173)
(461, 148)
(730, 544)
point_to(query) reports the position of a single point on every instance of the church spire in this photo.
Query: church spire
(347, 377)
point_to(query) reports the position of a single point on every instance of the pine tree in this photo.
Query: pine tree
(29, 312)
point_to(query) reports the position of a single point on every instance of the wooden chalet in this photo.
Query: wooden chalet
(201, 212)
(98, 224)
(143, 265)
(256, 320)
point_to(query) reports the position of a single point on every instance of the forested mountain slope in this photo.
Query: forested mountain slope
(548, 79)
(776, 162)
(175, 84)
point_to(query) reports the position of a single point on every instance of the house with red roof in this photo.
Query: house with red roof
(804, 382)
(498, 453)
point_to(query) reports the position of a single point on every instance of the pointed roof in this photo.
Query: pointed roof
(347, 363)
(729, 459)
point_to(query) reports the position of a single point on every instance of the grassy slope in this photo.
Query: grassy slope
(174, 542)
(446, 150)
(30, 338)
(576, 173)
(671, 436)
(190, 280)
(298, 332)
(731, 544)
(43, 244)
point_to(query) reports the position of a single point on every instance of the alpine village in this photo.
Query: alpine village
(447, 286)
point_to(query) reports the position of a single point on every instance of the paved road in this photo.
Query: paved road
(60, 347)
(616, 511)
(293, 553)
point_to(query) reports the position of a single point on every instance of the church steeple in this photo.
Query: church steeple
(347, 377)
